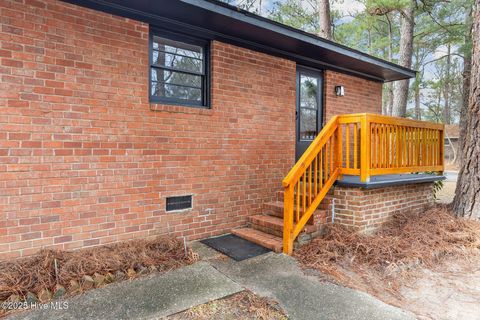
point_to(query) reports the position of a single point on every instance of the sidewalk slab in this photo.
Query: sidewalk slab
(151, 297)
(305, 297)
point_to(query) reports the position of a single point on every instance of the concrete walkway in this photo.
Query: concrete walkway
(151, 297)
(273, 275)
(304, 297)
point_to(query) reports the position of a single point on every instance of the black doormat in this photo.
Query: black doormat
(235, 247)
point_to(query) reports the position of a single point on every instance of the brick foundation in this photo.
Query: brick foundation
(365, 210)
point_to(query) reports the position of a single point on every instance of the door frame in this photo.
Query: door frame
(319, 74)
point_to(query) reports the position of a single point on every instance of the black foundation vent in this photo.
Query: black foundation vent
(179, 203)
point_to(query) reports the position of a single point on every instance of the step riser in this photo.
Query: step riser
(274, 227)
(267, 229)
(272, 244)
(278, 211)
(273, 211)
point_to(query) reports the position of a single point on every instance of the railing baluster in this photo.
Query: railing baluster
(380, 146)
(410, 146)
(397, 153)
(374, 149)
(389, 148)
(424, 145)
(384, 146)
(355, 146)
(304, 193)
(315, 176)
(347, 146)
(309, 185)
(409, 143)
(400, 144)
(298, 202)
(414, 145)
(405, 147)
(432, 147)
(377, 145)
(322, 168)
(417, 141)
(330, 168)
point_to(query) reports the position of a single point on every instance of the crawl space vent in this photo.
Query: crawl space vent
(179, 203)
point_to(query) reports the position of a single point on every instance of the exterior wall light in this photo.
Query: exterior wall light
(339, 91)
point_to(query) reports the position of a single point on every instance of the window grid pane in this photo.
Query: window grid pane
(177, 62)
(178, 71)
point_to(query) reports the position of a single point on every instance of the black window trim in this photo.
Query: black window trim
(205, 44)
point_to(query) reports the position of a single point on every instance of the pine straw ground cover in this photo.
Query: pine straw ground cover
(40, 276)
(243, 305)
(383, 262)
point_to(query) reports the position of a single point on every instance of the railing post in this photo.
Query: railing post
(288, 219)
(365, 136)
(442, 149)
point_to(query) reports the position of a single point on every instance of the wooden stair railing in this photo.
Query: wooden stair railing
(356, 144)
(301, 196)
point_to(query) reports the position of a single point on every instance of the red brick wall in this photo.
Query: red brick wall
(84, 159)
(365, 210)
(361, 95)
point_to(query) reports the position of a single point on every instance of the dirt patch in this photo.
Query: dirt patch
(40, 277)
(451, 291)
(384, 264)
(446, 194)
(244, 305)
(452, 167)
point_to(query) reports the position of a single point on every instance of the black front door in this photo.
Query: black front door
(309, 107)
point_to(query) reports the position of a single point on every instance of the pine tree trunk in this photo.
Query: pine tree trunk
(400, 92)
(446, 92)
(418, 112)
(389, 86)
(467, 194)
(416, 86)
(324, 19)
(467, 65)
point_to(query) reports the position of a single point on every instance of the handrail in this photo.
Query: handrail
(320, 156)
(356, 144)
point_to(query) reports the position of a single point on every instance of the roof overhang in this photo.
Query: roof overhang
(218, 21)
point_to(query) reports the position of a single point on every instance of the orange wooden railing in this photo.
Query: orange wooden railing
(356, 144)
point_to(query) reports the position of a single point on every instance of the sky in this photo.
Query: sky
(344, 6)
(348, 6)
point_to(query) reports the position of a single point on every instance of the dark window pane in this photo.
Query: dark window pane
(178, 70)
(308, 92)
(177, 62)
(177, 47)
(178, 78)
(167, 90)
(308, 124)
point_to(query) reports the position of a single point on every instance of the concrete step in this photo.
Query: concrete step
(261, 238)
(273, 225)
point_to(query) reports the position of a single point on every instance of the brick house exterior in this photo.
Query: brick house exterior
(86, 159)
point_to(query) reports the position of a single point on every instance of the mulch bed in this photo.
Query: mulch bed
(389, 257)
(42, 275)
